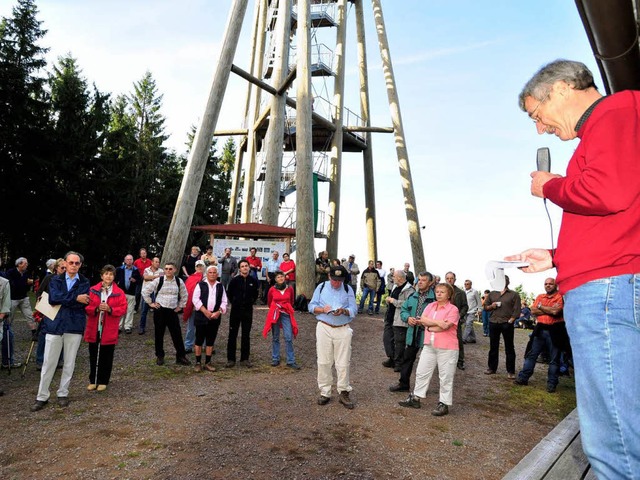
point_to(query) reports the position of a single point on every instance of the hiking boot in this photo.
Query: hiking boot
(440, 410)
(517, 381)
(63, 401)
(551, 389)
(344, 399)
(246, 363)
(159, 360)
(411, 402)
(39, 405)
(322, 400)
(209, 368)
(275, 363)
(293, 366)
(230, 364)
(398, 387)
(198, 367)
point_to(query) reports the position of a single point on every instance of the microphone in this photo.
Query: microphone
(543, 160)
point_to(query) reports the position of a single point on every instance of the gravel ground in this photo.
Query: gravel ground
(170, 422)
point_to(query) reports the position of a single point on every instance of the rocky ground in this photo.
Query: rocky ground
(170, 422)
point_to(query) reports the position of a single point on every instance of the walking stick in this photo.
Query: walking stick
(24, 370)
(8, 349)
(99, 340)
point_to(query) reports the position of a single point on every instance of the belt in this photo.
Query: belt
(333, 326)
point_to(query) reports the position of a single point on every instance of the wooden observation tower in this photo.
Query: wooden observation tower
(297, 127)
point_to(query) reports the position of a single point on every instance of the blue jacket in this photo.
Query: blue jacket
(71, 317)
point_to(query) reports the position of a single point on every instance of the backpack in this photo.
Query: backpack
(161, 282)
(301, 304)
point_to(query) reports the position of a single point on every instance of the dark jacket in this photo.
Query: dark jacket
(71, 317)
(242, 291)
(19, 285)
(132, 285)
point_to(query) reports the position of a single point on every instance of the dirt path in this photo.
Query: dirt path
(170, 422)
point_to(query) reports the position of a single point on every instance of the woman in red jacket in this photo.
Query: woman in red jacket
(280, 301)
(107, 303)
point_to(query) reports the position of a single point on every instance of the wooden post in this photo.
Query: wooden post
(237, 167)
(411, 209)
(194, 172)
(275, 132)
(250, 170)
(335, 175)
(305, 264)
(367, 153)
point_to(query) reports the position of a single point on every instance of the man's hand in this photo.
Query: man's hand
(538, 259)
(326, 309)
(154, 305)
(84, 298)
(538, 179)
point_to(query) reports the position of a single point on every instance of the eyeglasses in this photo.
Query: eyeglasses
(168, 268)
(69, 262)
(533, 112)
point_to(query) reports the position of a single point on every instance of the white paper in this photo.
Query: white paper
(45, 308)
(494, 270)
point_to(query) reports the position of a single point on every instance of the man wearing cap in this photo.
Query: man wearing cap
(334, 305)
(353, 271)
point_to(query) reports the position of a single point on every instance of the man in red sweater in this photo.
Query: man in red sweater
(598, 254)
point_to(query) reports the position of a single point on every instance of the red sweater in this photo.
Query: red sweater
(600, 196)
(279, 301)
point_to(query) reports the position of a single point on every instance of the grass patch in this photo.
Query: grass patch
(457, 443)
(533, 398)
(133, 454)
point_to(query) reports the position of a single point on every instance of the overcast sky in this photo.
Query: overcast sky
(459, 68)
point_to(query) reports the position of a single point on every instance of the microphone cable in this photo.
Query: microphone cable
(553, 248)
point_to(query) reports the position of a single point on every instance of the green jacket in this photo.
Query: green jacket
(409, 308)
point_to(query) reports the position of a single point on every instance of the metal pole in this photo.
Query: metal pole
(194, 172)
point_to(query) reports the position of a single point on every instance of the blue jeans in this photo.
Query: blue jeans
(603, 321)
(370, 292)
(190, 334)
(542, 342)
(144, 312)
(287, 331)
(485, 322)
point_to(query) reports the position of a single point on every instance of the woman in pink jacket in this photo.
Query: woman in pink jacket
(440, 320)
(108, 301)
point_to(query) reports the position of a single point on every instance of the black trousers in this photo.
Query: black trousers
(506, 330)
(409, 359)
(388, 335)
(399, 340)
(166, 318)
(239, 317)
(460, 343)
(105, 363)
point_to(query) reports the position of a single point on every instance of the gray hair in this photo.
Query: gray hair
(50, 263)
(71, 252)
(20, 260)
(574, 73)
(428, 275)
(212, 267)
(400, 273)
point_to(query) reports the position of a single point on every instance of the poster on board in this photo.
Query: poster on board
(240, 249)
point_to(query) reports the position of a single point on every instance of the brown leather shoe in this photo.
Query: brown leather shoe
(488, 371)
(209, 368)
(344, 399)
(197, 368)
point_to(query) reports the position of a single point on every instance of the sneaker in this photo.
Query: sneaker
(159, 360)
(440, 410)
(398, 387)
(460, 366)
(551, 389)
(359, 311)
(344, 399)
(230, 364)
(388, 363)
(275, 363)
(91, 387)
(293, 366)
(370, 312)
(128, 331)
(488, 371)
(101, 388)
(517, 381)
(411, 402)
(246, 363)
(198, 367)
(322, 400)
(63, 401)
(209, 368)
(39, 405)
(511, 376)
(13, 365)
(182, 361)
